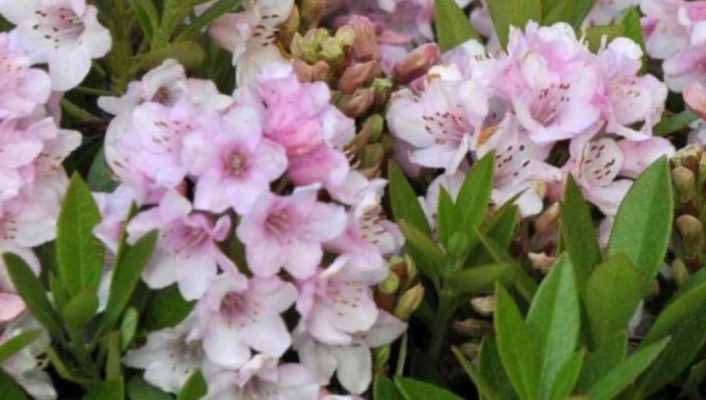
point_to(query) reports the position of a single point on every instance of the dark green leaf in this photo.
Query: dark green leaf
(601, 361)
(431, 255)
(578, 232)
(643, 224)
(9, 389)
(554, 322)
(188, 54)
(479, 280)
(566, 378)
(128, 327)
(413, 390)
(79, 253)
(453, 26)
(675, 123)
(81, 309)
(613, 293)
(112, 390)
(58, 292)
(516, 346)
(138, 389)
(100, 178)
(623, 374)
(448, 217)
(33, 293)
(474, 197)
(385, 389)
(524, 283)
(490, 366)
(404, 202)
(570, 11)
(10, 347)
(166, 308)
(484, 387)
(195, 388)
(507, 13)
(146, 15)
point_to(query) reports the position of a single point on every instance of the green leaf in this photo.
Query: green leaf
(500, 228)
(80, 255)
(490, 366)
(628, 26)
(613, 293)
(578, 232)
(554, 322)
(188, 54)
(404, 202)
(128, 327)
(643, 224)
(429, 253)
(10, 347)
(675, 123)
(166, 308)
(33, 293)
(474, 197)
(195, 387)
(385, 389)
(111, 390)
(516, 346)
(566, 378)
(601, 361)
(413, 390)
(507, 13)
(623, 374)
(211, 14)
(484, 387)
(81, 309)
(100, 177)
(453, 26)
(9, 389)
(111, 344)
(479, 280)
(448, 217)
(126, 276)
(524, 283)
(58, 291)
(147, 16)
(573, 12)
(138, 389)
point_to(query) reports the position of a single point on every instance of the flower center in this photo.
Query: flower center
(232, 305)
(238, 164)
(278, 222)
(547, 105)
(59, 25)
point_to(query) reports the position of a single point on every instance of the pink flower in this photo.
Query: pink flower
(26, 366)
(606, 11)
(664, 34)
(187, 252)
(262, 377)
(237, 315)
(22, 89)
(430, 202)
(352, 363)
(440, 122)
(65, 34)
(169, 357)
(337, 302)
(235, 166)
(11, 304)
(688, 64)
(288, 232)
(114, 208)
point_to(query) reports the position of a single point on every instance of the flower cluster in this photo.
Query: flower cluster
(266, 168)
(549, 94)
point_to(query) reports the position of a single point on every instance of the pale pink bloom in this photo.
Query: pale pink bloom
(26, 367)
(452, 183)
(237, 316)
(551, 81)
(606, 11)
(114, 208)
(251, 35)
(664, 34)
(187, 252)
(29, 220)
(22, 89)
(688, 64)
(440, 122)
(628, 98)
(65, 34)
(262, 378)
(11, 304)
(338, 302)
(520, 167)
(288, 232)
(169, 357)
(236, 165)
(352, 363)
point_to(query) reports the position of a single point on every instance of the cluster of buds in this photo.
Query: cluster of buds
(689, 176)
(369, 148)
(401, 293)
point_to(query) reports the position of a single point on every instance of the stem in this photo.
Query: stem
(445, 311)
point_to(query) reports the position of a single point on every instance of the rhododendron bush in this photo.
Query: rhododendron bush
(352, 199)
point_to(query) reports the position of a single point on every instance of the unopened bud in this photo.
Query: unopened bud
(365, 45)
(371, 130)
(691, 231)
(695, 97)
(305, 47)
(680, 273)
(357, 75)
(417, 63)
(688, 156)
(484, 305)
(411, 268)
(390, 285)
(541, 262)
(684, 181)
(311, 73)
(473, 327)
(383, 88)
(333, 52)
(470, 350)
(547, 222)
(358, 103)
(409, 302)
(289, 28)
(313, 10)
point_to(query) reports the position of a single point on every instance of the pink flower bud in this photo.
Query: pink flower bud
(417, 63)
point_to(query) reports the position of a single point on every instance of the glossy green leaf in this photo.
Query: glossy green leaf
(675, 123)
(567, 376)
(524, 283)
(431, 255)
(10, 347)
(572, 12)
(516, 346)
(554, 322)
(81, 309)
(9, 389)
(474, 196)
(484, 387)
(404, 202)
(627, 26)
(80, 255)
(643, 224)
(599, 362)
(146, 15)
(33, 293)
(480, 280)
(385, 389)
(132, 260)
(625, 373)
(578, 232)
(166, 308)
(490, 366)
(448, 217)
(507, 13)
(138, 389)
(453, 26)
(413, 390)
(128, 327)
(613, 293)
(188, 54)
(195, 387)
(111, 390)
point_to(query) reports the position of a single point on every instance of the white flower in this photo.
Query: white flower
(65, 34)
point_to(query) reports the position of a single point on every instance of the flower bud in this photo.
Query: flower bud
(684, 183)
(484, 306)
(688, 157)
(541, 262)
(383, 88)
(547, 222)
(691, 231)
(680, 273)
(313, 10)
(320, 71)
(417, 63)
(332, 52)
(390, 285)
(290, 27)
(473, 327)
(409, 302)
(356, 76)
(470, 350)
(365, 45)
(695, 97)
(358, 103)
(305, 47)
(371, 130)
